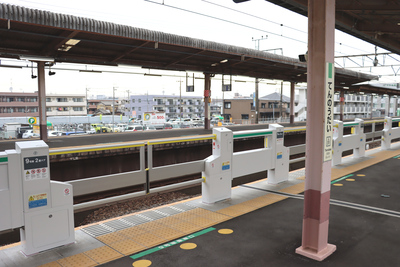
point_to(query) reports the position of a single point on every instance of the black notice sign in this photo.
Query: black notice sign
(279, 135)
(35, 162)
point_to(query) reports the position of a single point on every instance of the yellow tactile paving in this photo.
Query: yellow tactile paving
(217, 217)
(167, 233)
(171, 220)
(111, 238)
(186, 227)
(148, 239)
(51, 264)
(294, 189)
(200, 212)
(103, 254)
(127, 247)
(79, 260)
(150, 226)
(201, 221)
(187, 216)
(132, 231)
(236, 210)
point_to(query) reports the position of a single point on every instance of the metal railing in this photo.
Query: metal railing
(145, 175)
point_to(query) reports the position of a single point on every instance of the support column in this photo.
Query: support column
(341, 104)
(372, 104)
(388, 106)
(207, 100)
(396, 104)
(292, 96)
(320, 69)
(257, 107)
(42, 101)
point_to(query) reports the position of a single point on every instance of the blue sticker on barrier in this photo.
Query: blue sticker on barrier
(226, 167)
(340, 144)
(279, 155)
(37, 203)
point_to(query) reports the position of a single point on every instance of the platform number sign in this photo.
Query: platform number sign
(329, 92)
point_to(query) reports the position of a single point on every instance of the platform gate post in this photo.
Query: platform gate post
(387, 134)
(218, 171)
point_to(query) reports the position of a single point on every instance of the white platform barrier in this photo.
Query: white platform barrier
(389, 133)
(355, 141)
(41, 208)
(224, 165)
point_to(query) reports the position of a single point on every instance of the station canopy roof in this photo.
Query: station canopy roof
(374, 21)
(41, 35)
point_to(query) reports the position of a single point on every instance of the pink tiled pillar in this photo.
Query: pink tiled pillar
(321, 25)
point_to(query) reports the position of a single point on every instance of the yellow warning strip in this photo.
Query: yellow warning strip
(93, 149)
(178, 140)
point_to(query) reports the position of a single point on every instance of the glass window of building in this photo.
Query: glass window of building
(62, 99)
(77, 99)
(227, 105)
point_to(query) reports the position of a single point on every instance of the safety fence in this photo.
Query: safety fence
(224, 165)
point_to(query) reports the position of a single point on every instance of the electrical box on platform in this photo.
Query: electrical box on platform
(41, 208)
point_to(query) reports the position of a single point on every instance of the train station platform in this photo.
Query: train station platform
(260, 225)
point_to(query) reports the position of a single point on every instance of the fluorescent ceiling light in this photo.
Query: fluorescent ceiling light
(223, 61)
(149, 74)
(10, 66)
(37, 58)
(72, 42)
(92, 71)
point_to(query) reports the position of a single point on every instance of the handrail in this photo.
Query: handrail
(94, 148)
(182, 139)
(251, 133)
(295, 130)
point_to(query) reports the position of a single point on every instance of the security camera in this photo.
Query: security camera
(303, 57)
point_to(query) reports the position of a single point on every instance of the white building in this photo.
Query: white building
(65, 105)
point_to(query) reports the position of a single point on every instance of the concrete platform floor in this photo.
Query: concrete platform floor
(261, 226)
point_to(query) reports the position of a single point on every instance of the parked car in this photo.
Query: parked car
(134, 128)
(30, 134)
(91, 131)
(150, 128)
(54, 133)
(167, 126)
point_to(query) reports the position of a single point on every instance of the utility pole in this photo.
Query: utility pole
(257, 47)
(129, 102)
(281, 100)
(113, 109)
(87, 107)
(180, 100)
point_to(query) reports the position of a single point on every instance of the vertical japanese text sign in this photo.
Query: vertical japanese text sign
(329, 92)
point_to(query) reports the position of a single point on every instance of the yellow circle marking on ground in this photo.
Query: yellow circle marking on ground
(350, 180)
(188, 246)
(338, 184)
(141, 263)
(360, 174)
(225, 231)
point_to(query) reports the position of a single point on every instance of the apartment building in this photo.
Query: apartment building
(18, 104)
(27, 104)
(242, 109)
(192, 107)
(355, 105)
(65, 105)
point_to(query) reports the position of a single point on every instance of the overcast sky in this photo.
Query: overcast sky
(223, 21)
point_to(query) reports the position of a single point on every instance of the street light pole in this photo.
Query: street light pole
(113, 111)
